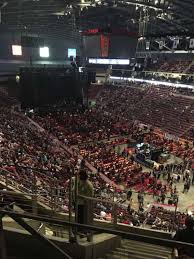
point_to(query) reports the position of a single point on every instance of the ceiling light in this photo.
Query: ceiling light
(44, 52)
(16, 50)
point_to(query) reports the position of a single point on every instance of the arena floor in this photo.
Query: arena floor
(185, 199)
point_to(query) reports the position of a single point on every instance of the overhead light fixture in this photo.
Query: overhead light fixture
(154, 82)
(44, 52)
(16, 50)
(62, 13)
(71, 53)
(17, 79)
(141, 38)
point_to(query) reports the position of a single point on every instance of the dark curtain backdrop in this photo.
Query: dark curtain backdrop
(119, 46)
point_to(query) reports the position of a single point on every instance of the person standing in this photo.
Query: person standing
(187, 236)
(129, 207)
(129, 194)
(178, 178)
(140, 199)
(129, 200)
(193, 180)
(175, 199)
(163, 197)
(185, 188)
(84, 206)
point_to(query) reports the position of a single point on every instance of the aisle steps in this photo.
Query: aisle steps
(139, 250)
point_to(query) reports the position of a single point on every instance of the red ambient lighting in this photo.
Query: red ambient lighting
(91, 31)
(110, 31)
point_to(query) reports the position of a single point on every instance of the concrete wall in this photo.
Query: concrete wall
(20, 244)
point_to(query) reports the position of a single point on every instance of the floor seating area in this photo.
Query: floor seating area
(115, 166)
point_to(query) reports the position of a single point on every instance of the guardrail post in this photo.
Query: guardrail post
(58, 195)
(6, 180)
(3, 252)
(34, 204)
(90, 218)
(115, 214)
(76, 201)
(34, 196)
(70, 204)
(51, 195)
(55, 194)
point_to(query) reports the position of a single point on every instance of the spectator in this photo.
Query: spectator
(85, 188)
(140, 199)
(186, 235)
(163, 197)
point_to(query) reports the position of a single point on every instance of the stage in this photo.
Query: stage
(150, 156)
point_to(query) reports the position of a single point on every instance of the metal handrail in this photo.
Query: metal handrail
(123, 234)
(59, 252)
(96, 199)
(151, 71)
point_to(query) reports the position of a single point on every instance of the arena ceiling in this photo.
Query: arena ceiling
(65, 18)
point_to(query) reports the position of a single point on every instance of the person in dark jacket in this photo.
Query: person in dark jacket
(186, 235)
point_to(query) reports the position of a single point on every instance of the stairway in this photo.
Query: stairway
(139, 250)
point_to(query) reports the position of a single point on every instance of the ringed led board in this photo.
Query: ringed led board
(44, 52)
(16, 50)
(106, 61)
(153, 82)
(71, 53)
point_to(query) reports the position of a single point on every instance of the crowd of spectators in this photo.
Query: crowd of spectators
(151, 105)
(118, 167)
(171, 66)
(79, 126)
(29, 159)
(96, 134)
(100, 149)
